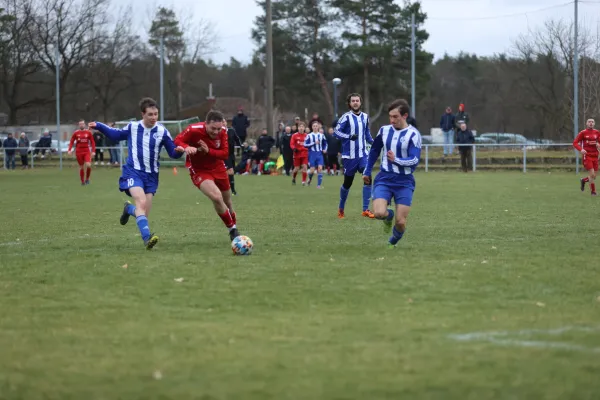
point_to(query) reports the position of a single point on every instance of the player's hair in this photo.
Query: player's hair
(298, 123)
(146, 103)
(214, 116)
(81, 119)
(401, 105)
(351, 95)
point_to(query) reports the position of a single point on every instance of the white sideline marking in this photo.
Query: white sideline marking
(498, 337)
(86, 236)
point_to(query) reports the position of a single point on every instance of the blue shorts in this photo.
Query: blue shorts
(354, 165)
(315, 159)
(401, 192)
(134, 178)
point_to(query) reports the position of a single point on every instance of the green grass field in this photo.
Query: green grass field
(321, 310)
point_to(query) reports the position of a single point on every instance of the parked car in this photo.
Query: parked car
(64, 146)
(511, 139)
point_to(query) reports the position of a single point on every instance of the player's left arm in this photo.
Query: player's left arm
(368, 132)
(374, 154)
(308, 141)
(173, 150)
(325, 144)
(414, 153)
(113, 134)
(223, 152)
(93, 142)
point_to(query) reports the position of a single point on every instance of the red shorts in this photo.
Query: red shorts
(590, 163)
(300, 161)
(84, 158)
(221, 179)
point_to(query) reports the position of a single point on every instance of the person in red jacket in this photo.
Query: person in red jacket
(587, 143)
(300, 153)
(85, 146)
(206, 147)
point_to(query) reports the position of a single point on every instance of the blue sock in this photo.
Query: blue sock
(310, 177)
(131, 210)
(366, 197)
(142, 223)
(390, 216)
(396, 236)
(343, 196)
(320, 178)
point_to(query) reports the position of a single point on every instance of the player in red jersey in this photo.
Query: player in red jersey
(206, 148)
(85, 146)
(587, 143)
(300, 153)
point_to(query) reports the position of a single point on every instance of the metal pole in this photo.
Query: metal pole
(162, 78)
(524, 159)
(335, 101)
(576, 85)
(474, 158)
(412, 67)
(269, 69)
(426, 158)
(57, 62)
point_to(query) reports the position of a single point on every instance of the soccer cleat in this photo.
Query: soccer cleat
(341, 213)
(594, 194)
(368, 214)
(234, 193)
(151, 242)
(319, 187)
(391, 246)
(387, 226)
(293, 182)
(82, 183)
(582, 184)
(303, 183)
(233, 233)
(125, 216)
(87, 182)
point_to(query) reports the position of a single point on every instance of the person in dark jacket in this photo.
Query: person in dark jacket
(232, 141)
(286, 150)
(265, 143)
(447, 123)
(465, 139)
(461, 116)
(10, 145)
(23, 149)
(99, 140)
(241, 123)
(44, 144)
(412, 121)
(334, 147)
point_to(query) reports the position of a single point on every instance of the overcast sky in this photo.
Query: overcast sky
(483, 27)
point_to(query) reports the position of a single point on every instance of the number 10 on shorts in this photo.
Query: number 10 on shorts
(130, 182)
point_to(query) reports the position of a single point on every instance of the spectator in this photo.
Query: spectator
(23, 149)
(113, 149)
(286, 150)
(461, 116)
(279, 134)
(10, 145)
(265, 144)
(99, 140)
(241, 123)
(465, 140)
(412, 121)
(447, 123)
(244, 165)
(232, 142)
(334, 146)
(44, 144)
(315, 118)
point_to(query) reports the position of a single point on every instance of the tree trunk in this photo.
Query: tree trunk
(179, 91)
(324, 87)
(366, 97)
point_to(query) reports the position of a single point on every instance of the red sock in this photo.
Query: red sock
(295, 175)
(593, 187)
(303, 176)
(87, 175)
(233, 217)
(81, 175)
(334, 169)
(248, 166)
(261, 167)
(227, 220)
(586, 179)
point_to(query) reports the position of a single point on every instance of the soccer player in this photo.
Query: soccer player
(206, 148)
(401, 145)
(316, 144)
(85, 146)
(232, 140)
(587, 143)
(300, 153)
(139, 177)
(353, 130)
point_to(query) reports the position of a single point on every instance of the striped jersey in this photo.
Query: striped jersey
(143, 144)
(310, 142)
(406, 146)
(353, 124)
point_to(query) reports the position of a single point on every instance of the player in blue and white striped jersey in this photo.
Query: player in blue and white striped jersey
(400, 147)
(139, 178)
(353, 130)
(316, 143)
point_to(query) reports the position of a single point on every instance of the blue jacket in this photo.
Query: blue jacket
(10, 144)
(447, 122)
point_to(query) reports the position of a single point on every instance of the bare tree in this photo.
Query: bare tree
(74, 26)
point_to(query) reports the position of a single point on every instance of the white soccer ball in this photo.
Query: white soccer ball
(242, 246)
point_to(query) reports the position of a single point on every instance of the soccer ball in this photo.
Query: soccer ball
(242, 246)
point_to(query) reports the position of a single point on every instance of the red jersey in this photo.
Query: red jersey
(83, 140)
(587, 140)
(297, 143)
(218, 148)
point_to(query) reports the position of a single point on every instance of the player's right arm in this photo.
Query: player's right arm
(71, 143)
(293, 142)
(577, 143)
(308, 141)
(113, 134)
(341, 128)
(373, 156)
